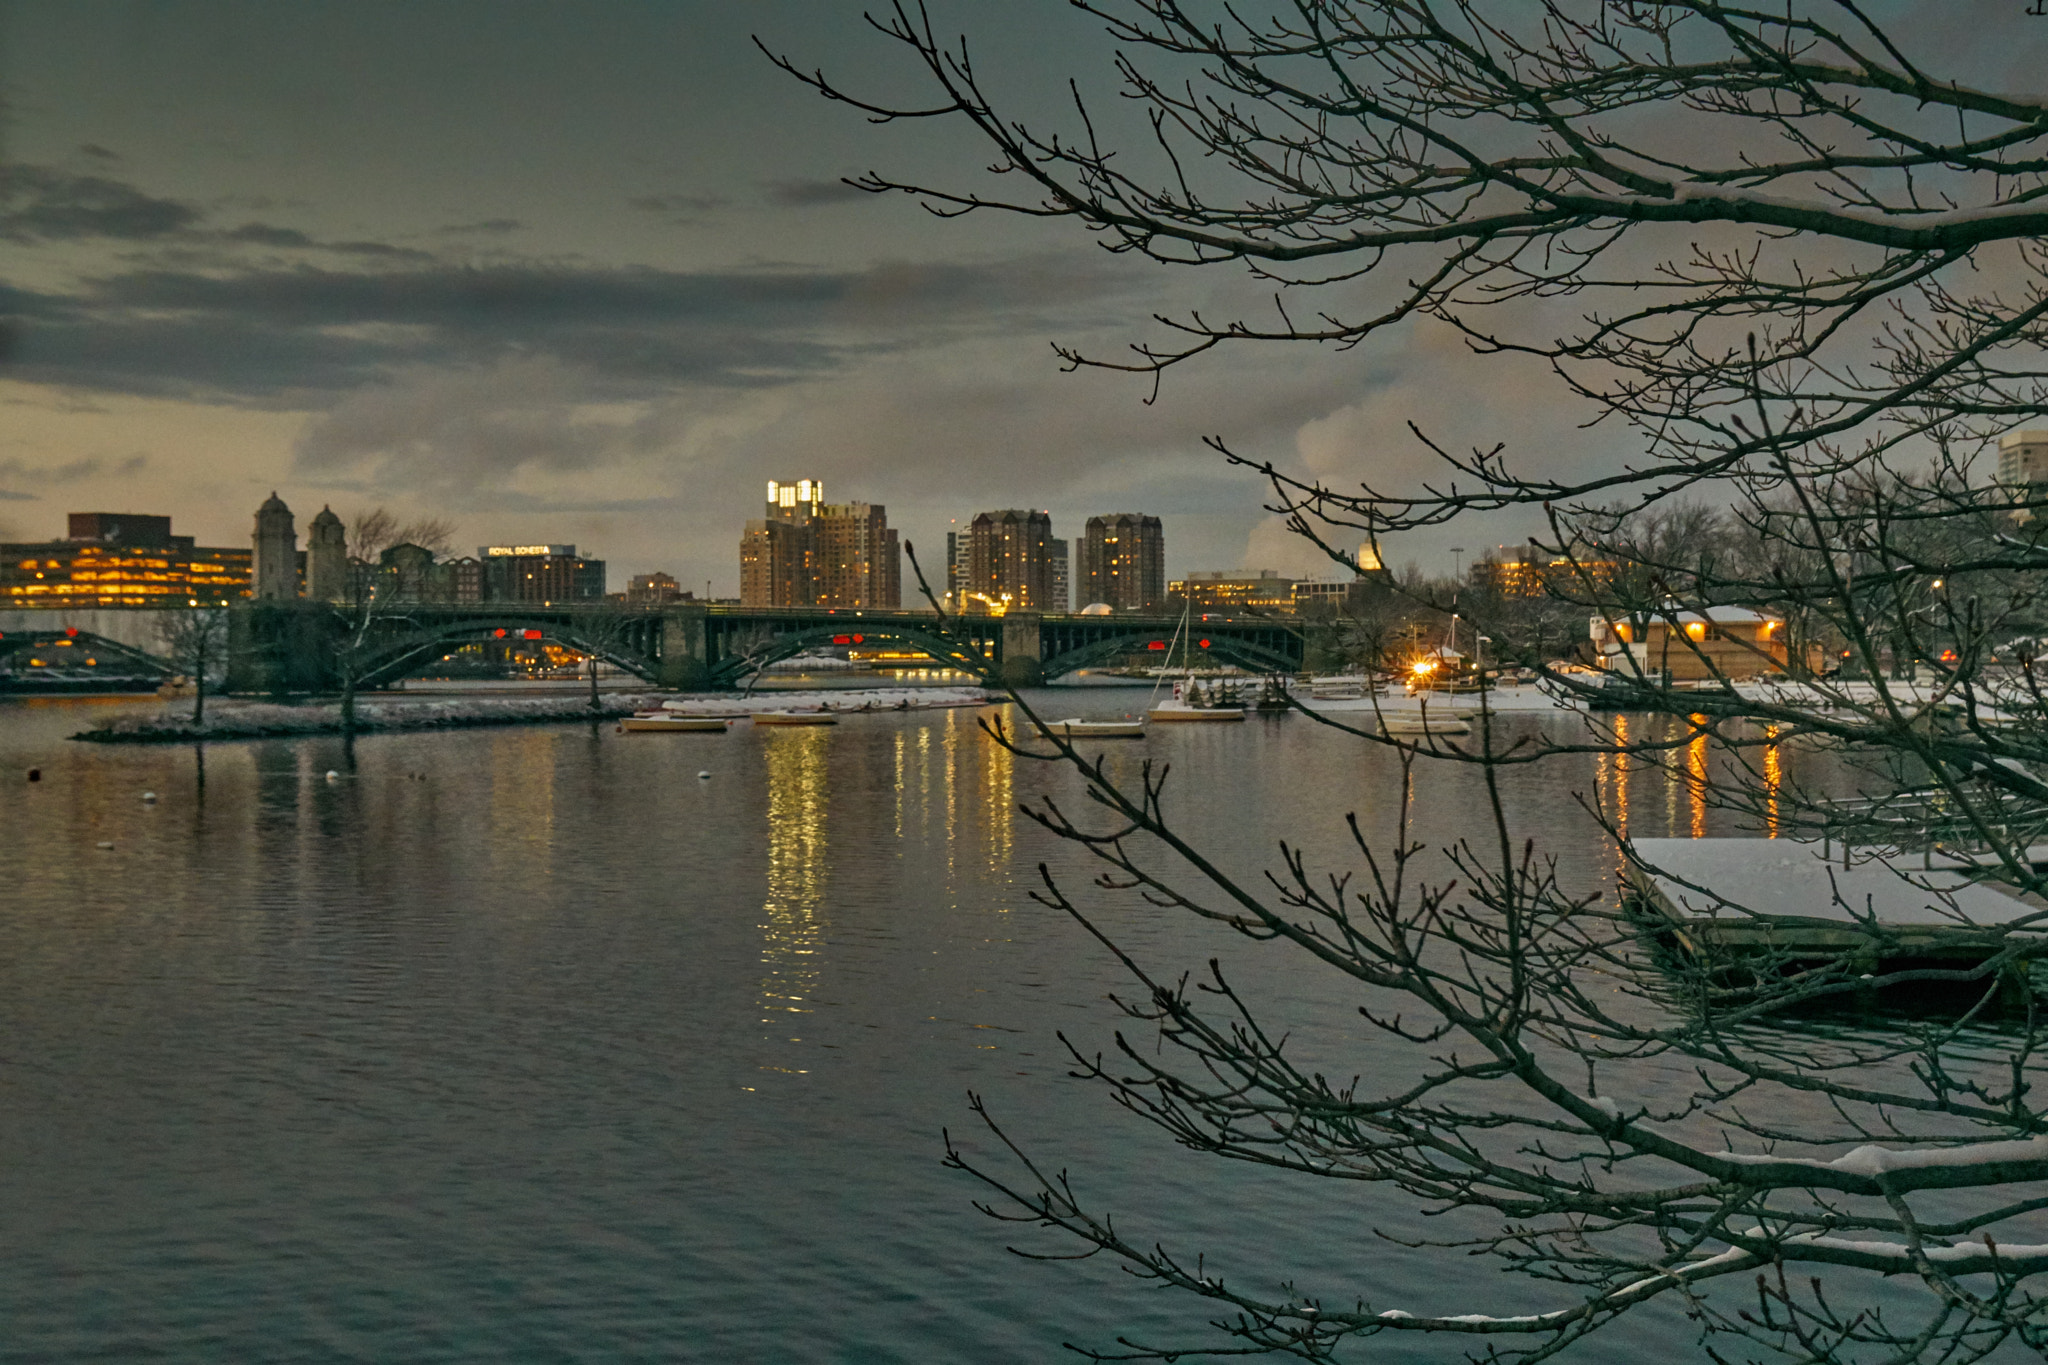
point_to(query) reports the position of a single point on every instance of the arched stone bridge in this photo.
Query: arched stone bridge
(300, 646)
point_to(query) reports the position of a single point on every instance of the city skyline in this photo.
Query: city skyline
(325, 250)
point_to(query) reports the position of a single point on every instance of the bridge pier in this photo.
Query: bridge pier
(685, 650)
(1023, 650)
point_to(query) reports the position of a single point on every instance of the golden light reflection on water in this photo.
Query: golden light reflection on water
(1774, 778)
(792, 925)
(522, 776)
(1696, 777)
(998, 802)
(1610, 777)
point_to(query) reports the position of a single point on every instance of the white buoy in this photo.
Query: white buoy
(105, 843)
(333, 776)
(149, 796)
(704, 776)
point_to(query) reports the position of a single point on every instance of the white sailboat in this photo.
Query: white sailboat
(1186, 707)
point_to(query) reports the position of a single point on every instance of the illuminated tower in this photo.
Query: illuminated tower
(276, 568)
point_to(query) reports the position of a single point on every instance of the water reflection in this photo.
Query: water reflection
(793, 922)
(1774, 778)
(522, 797)
(1696, 776)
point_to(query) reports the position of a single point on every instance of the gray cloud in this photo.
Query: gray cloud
(490, 225)
(800, 194)
(40, 204)
(289, 336)
(97, 152)
(70, 472)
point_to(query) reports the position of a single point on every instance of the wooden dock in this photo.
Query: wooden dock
(1750, 912)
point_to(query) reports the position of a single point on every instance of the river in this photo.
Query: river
(536, 1045)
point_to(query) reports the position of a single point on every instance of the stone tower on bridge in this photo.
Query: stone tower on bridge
(275, 573)
(327, 558)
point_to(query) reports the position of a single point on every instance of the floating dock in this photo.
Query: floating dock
(1748, 912)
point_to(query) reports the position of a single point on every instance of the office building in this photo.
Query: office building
(547, 574)
(1009, 564)
(1123, 562)
(1062, 598)
(117, 559)
(1254, 590)
(655, 590)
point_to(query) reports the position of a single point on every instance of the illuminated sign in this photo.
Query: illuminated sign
(509, 551)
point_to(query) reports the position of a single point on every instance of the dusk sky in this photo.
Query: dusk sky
(586, 272)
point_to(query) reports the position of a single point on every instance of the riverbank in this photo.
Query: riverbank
(231, 719)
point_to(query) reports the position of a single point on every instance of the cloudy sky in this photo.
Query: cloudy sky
(586, 272)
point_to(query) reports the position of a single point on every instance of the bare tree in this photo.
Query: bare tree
(1811, 284)
(196, 639)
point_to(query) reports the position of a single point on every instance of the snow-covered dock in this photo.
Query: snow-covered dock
(236, 719)
(1746, 908)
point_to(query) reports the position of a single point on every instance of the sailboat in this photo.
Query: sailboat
(1077, 728)
(1189, 706)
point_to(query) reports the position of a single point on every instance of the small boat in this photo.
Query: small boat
(1177, 712)
(1424, 724)
(794, 718)
(1092, 729)
(655, 723)
(684, 706)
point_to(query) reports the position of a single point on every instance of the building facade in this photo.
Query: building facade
(115, 559)
(547, 574)
(1259, 590)
(1009, 562)
(1062, 598)
(807, 552)
(1123, 562)
(856, 559)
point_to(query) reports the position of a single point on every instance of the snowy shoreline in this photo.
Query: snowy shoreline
(229, 719)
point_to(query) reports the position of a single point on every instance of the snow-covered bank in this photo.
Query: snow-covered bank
(834, 699)
(230, 719)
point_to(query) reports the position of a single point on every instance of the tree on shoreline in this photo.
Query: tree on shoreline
(1810, 280)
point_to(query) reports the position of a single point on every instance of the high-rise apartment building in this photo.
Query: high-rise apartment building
(856, 560)
(1123, 562)
(959, 562)
(807, 552)
(1009, 561)
(1062, 598)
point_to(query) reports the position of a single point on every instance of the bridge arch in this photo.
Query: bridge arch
(734, 658)
(399, 646)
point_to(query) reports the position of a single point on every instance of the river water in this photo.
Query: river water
(536, 1045)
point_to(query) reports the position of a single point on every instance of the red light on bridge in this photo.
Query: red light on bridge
(860, 639)
(1203, 643)
(842, 639)
(499, 633)
(71, 631)
(1157, 644)
(530, 634)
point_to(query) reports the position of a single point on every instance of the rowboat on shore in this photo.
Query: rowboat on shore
(1211, 714)
(794, 718)
(658, 723)
(1092, 729)
(1424, 724)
